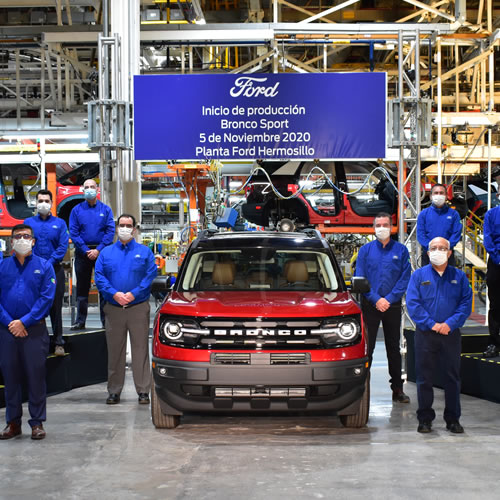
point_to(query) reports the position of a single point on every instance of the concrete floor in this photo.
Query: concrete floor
(94, 451)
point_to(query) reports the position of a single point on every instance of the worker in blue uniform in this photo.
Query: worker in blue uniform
(438, 220)
(27, 290)
(491, 233)
(439, 300)
(51, 243)
(92, 228)
(386, 265)
(124, 273)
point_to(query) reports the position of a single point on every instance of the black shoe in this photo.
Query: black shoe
(399, 396)
(78, 326)
(455, 427)
(143, 398)
(113, 399)
(491, 351)
(424, 427)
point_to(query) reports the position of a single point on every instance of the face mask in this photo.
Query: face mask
(22, 247)
(382, 233)
(89, 193)
(438, 257)
(43, 208)
(125, 233)
(438, 199)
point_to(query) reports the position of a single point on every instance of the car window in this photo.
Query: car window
(260, 269)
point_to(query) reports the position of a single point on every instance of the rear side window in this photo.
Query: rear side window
(260, 269)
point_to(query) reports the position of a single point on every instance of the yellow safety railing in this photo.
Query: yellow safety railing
(474, 232)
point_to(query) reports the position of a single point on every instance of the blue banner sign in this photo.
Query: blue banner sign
(260, 116)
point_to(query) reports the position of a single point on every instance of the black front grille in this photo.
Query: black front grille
(252, 334)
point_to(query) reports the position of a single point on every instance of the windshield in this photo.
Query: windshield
(260, 269)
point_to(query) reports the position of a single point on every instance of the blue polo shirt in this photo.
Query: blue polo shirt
(26, 291)
(386, 268)
(433, 222)
(51, 237)
(491, 232)
(91, 225)
(432, 298)
(125, 268)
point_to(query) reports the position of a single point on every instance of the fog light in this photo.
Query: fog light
(162, 371)
(357, 371)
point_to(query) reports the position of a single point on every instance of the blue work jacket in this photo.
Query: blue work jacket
(433, 222)
(26, 291)
(125, 268)
(91, 226)
(491, 233)
(432, 298)
(51, 237)
(386, 268)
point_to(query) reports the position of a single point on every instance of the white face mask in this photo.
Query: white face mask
(22, 246)
(125, 233)
(43, 208)
(382, 233)
(438, 199)
(438, 257)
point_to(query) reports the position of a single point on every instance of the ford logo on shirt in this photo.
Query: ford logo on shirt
(37, 271)
(395, 257)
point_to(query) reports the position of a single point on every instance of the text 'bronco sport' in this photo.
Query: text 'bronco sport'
(256, 322)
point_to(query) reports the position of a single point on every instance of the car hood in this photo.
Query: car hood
(272, 304)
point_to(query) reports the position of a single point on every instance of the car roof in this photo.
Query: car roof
(253, 239)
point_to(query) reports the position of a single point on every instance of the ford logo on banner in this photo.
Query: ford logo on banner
(260, 116)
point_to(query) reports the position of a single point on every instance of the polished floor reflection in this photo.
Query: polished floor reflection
(97, 451)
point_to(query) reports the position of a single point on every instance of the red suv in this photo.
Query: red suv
(257, 322)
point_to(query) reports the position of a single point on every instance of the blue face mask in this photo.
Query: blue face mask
(90, 194)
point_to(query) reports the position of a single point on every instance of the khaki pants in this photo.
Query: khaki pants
(119, 321)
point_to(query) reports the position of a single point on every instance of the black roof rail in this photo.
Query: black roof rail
(207, 233)
(311, 232)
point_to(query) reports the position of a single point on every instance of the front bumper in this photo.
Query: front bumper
(203, 387)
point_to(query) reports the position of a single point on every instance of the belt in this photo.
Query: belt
(127, 306)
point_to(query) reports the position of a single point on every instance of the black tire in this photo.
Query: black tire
(160, 420)
(360, 418)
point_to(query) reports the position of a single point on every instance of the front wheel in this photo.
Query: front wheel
(360, 418)
(160, 420)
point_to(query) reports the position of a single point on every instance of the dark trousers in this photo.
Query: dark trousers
(425, 258)
(391, 322)
(56, 309)
(83, 271)
(493, 282)
(435, 350)
(23, 359)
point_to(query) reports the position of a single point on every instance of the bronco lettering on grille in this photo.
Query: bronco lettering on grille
(259, 332)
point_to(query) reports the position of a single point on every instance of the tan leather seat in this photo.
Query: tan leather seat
(258, 279)
(223, 273)
(296, 270)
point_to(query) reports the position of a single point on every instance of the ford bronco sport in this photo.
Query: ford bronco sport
(260, 322)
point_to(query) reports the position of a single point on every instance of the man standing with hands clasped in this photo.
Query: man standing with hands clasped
(124, 273)
(386, 265)
(27, 288)
(439, 300)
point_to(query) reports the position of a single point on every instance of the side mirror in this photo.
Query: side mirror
(359, 284)
(160, 284)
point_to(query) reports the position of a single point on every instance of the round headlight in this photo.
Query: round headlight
(348, 330)
(173, 331)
